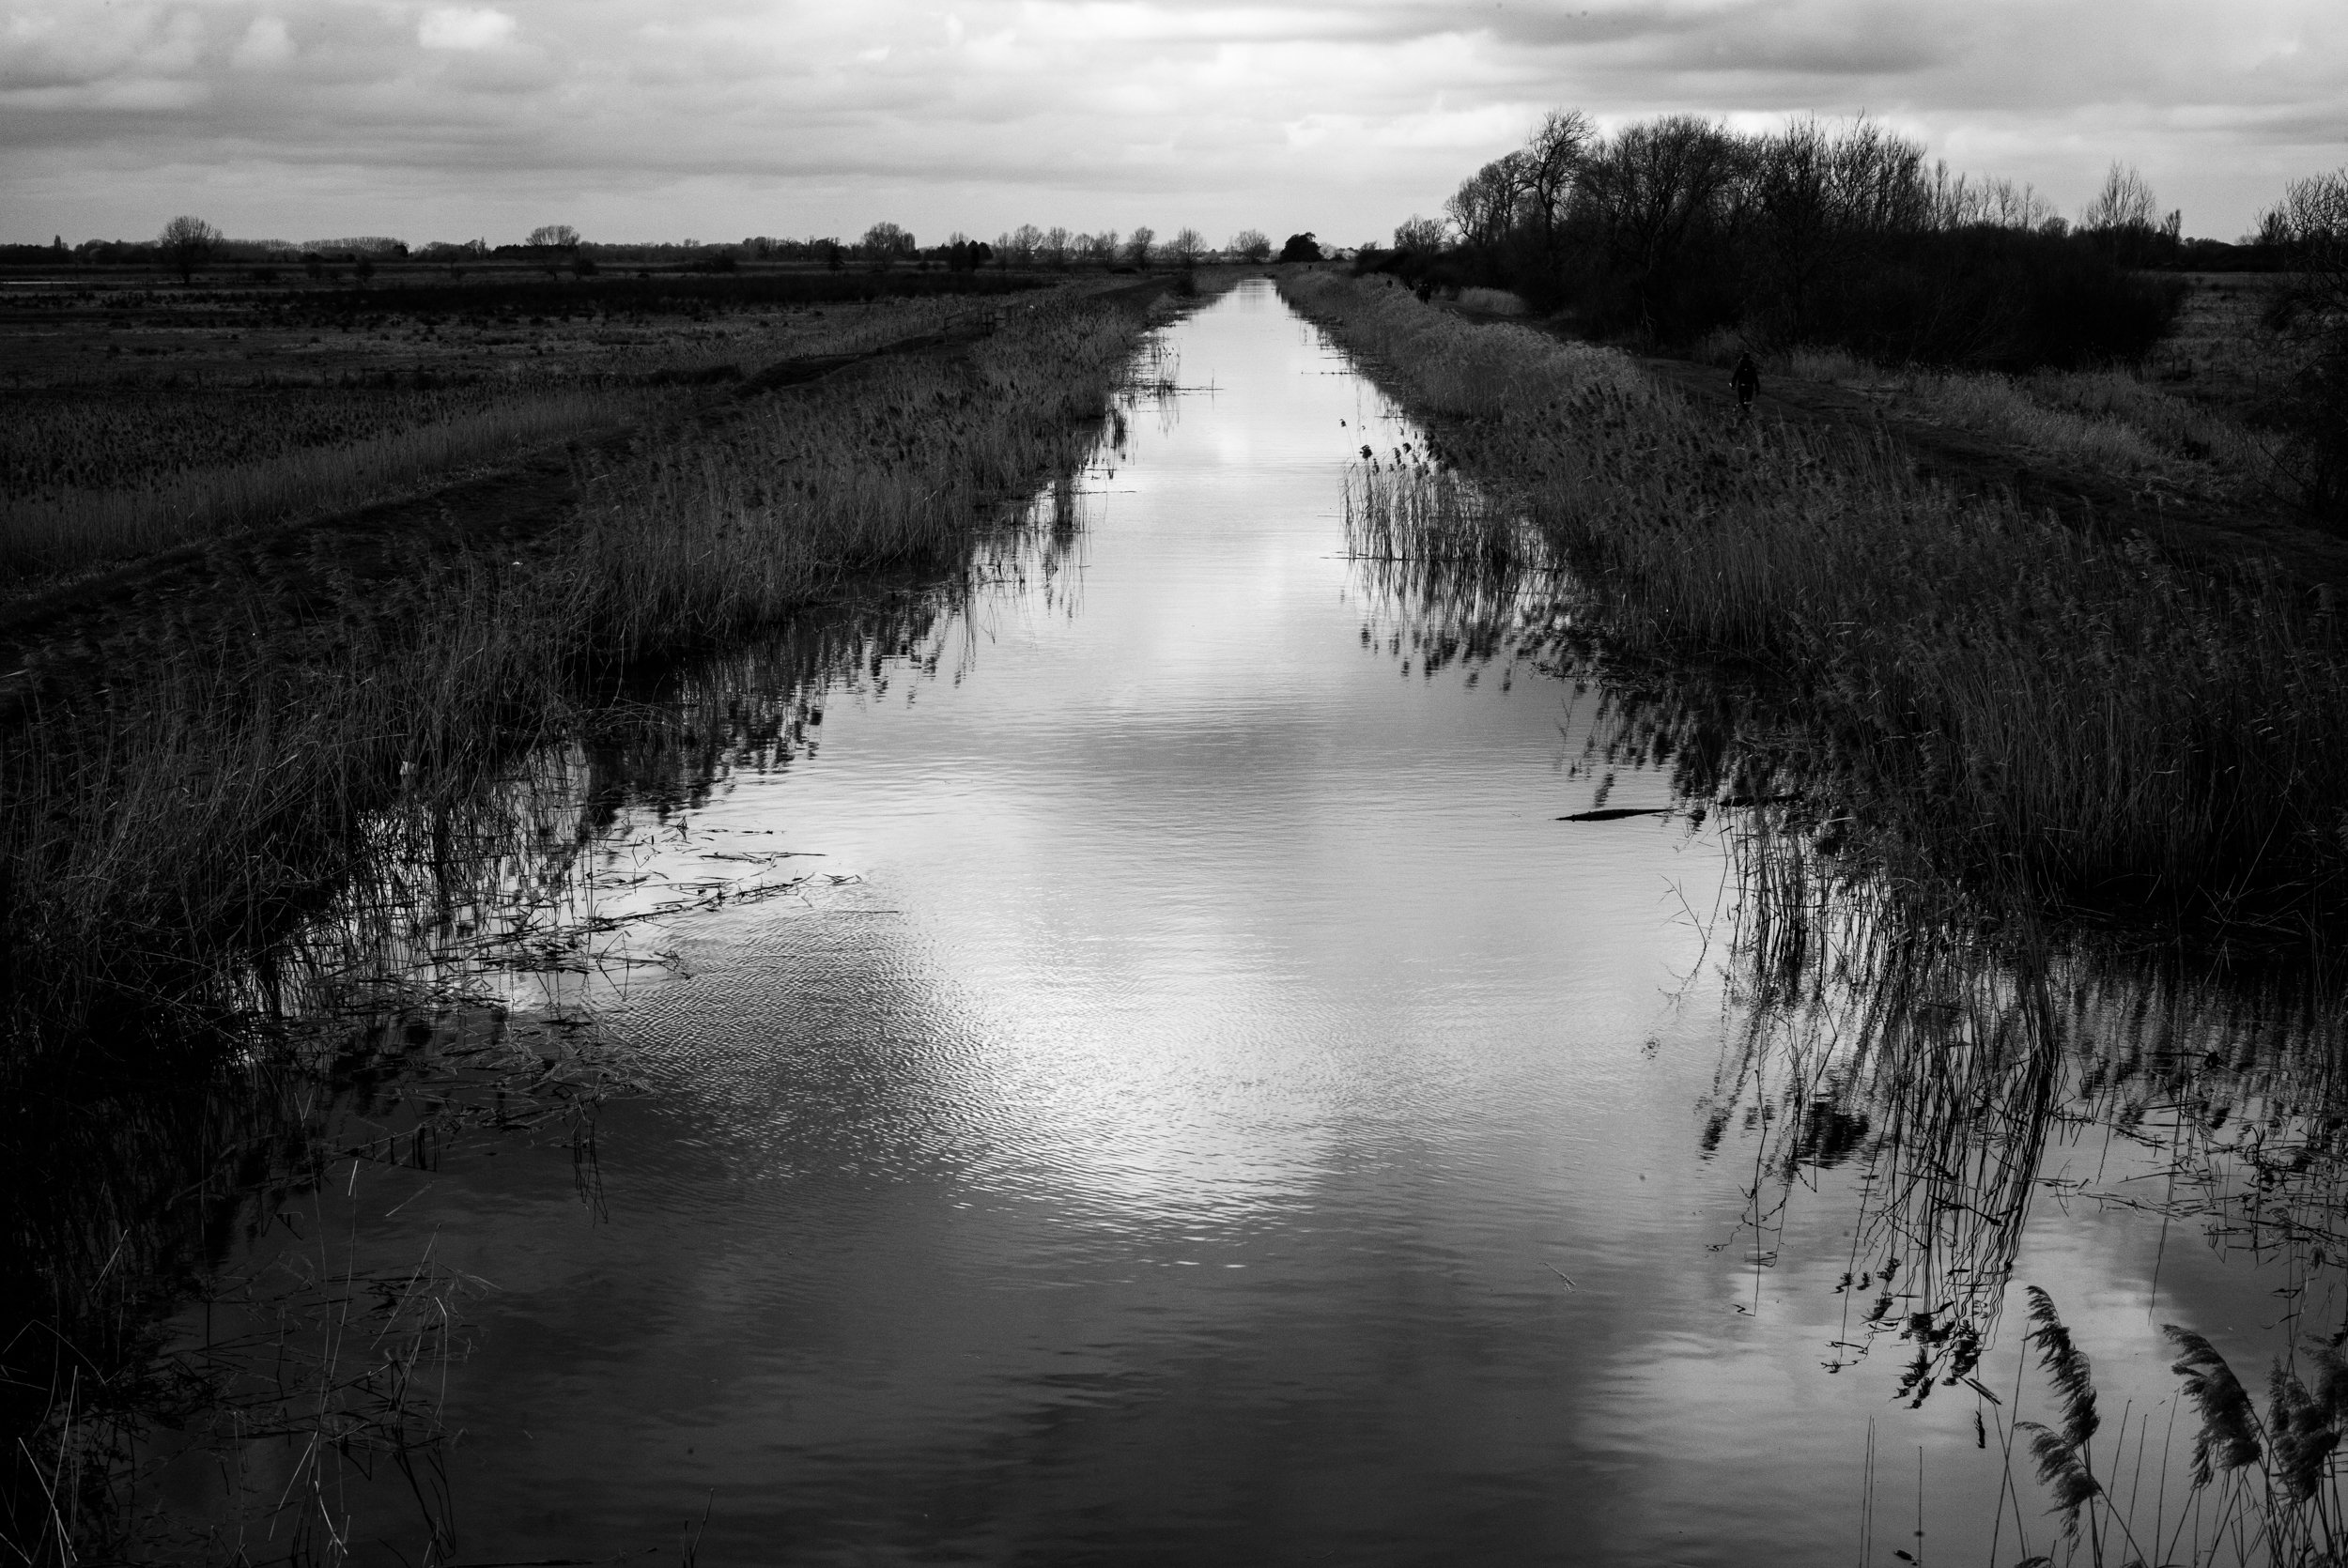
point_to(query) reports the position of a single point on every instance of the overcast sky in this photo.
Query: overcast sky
(715, 119)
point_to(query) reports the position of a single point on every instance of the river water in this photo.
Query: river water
(1202, 1105)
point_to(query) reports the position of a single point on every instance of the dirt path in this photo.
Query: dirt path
(2186, 524)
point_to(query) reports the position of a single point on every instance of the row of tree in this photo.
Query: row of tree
(1028, 246)
(189, 244)
(1674, 226)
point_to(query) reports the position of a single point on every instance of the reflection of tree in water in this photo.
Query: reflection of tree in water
(1453, 576)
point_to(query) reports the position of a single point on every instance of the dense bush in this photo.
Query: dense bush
(1674, 227)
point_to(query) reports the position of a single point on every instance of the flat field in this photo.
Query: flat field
(137, 413)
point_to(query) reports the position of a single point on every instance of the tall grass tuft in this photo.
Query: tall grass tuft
(2229, 1436)
(2066, 1367)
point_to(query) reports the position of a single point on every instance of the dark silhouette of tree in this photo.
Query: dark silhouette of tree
(1251, 245)
(1484, 207)
(189, 243)
(1140, 245)
(2308, 229)
(2125, 202)
(1301, 247)
(886, 244)
(1185, 248)
(553, 237)
(1673, 227)
(1548, 169)
(1418, 237)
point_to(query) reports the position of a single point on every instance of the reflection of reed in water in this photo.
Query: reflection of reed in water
(1949, 1059)
(381, 1031)
(1914, 1056)
(1945, 1056)
(1454, 572)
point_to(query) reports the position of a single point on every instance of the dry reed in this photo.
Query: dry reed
(2007, 702)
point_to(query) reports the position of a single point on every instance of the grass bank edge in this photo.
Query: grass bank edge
(2008, 707)
(159, 829)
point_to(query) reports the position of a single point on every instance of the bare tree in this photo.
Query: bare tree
(1651, 190)
(885, 244)
(1055, 243)
(1250, 245)
(2309, 227)
(1484, 208)
(1185, 248)
(1138, 245)
(1549, 165)
(555, 236)
(1654, 185)
(2125, 202)
(1418, 235)
(187, 243)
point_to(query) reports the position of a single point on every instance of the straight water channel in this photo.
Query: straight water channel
(1209, 1109)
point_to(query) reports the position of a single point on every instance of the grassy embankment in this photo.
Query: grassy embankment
(303, 768)
(2186, 420)
(165, 820)
(1995, 701)
(229, 413)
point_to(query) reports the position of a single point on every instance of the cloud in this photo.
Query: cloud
(265, 43)
(454, 28)
(665, 117)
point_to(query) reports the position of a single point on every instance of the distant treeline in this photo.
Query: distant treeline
(1676, 227)
(383, 250)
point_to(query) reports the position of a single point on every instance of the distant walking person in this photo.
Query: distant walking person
(1746, 378)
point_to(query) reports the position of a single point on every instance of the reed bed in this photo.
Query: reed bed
(2006, 705)
(1492, 302)
(251, 874)
(1947, 1071)
(2263, 1489)
(187, 809)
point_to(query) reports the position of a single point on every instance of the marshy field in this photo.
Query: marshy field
(1244, 917)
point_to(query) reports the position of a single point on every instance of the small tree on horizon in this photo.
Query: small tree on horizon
(1186, 247)
(553, 237)
(187, 243)
(1251, 245)
(1301, 247)
(885, 243)
(2125, 202)
(1418, 235)
(1138, 245)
